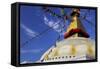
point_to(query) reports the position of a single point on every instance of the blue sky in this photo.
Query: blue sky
(33, 21)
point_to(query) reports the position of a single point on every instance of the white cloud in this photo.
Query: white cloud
(54, 24)
(31, 51)
(29, 31)
(24, 62)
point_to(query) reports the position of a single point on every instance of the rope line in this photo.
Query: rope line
(40, 34)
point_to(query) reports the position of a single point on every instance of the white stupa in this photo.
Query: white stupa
(76, 45)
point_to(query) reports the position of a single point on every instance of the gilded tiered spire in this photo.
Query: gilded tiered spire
(76, 29)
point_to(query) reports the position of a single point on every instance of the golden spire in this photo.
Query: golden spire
(75, 29)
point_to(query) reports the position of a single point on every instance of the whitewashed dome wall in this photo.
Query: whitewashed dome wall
(70, 49)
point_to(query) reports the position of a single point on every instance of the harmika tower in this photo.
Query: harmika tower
(76, 29)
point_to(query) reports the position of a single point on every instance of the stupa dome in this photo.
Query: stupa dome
(77, 48)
